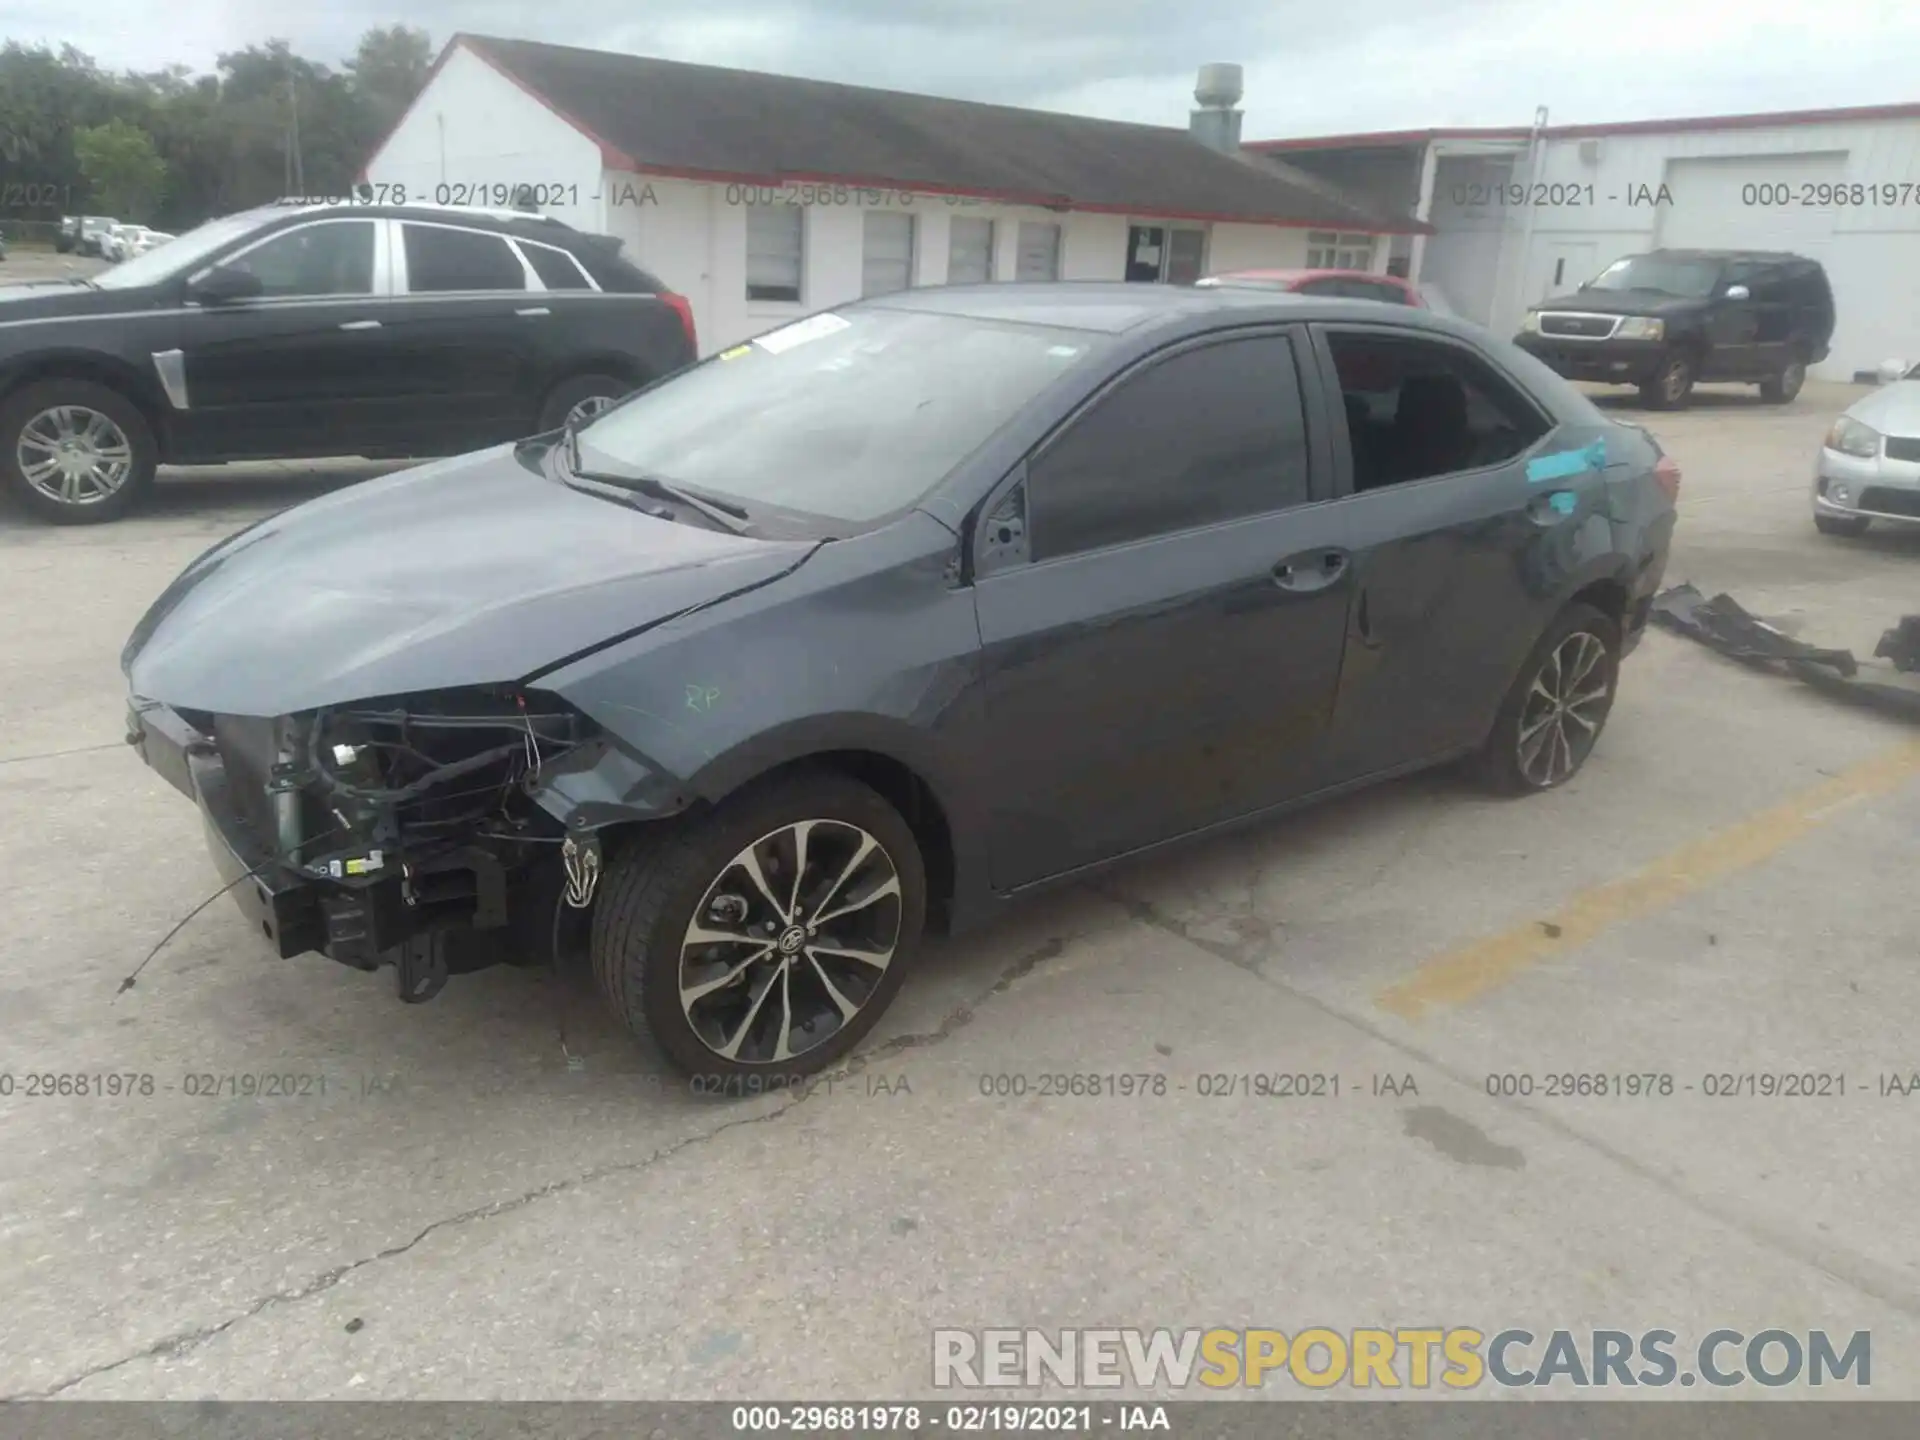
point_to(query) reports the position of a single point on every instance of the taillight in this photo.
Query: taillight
(1668, 475)
(684, 309)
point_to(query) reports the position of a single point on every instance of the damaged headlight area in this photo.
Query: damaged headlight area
(404, 830)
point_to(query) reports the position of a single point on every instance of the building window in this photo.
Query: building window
(1039, 257)
(969, 251)
(1328, 251)
(776, 251)
(886, 263)
(1158, 254)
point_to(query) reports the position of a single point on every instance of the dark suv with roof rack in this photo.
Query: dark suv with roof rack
(301, 330)
(1667, 319)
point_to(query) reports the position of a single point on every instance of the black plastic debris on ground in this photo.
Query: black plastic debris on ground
(1722, 624)
(1901, 645)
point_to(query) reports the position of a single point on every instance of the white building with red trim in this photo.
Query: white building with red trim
(762, 197)
(1521, 213)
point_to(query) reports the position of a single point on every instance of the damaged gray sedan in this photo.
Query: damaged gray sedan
(868, 626)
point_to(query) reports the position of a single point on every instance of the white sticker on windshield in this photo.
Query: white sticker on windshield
(814, 327)
(1063, 352)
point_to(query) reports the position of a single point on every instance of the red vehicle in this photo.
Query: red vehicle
(1352, 284)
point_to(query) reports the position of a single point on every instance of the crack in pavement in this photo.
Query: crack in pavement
(952, 1023)
(1837, 1263)
(56, 754)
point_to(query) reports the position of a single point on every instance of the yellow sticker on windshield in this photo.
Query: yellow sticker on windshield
(736, 352)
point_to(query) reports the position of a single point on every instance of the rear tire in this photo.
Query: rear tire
(587, 394)
(1851, 526)
(780, 990)
(1781, 389)
(1553, 715)
(1672, 384)
(32, 426)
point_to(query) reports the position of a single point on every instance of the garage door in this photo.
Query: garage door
(1750, 202)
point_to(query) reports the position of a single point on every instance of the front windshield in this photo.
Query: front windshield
(850, 414)
(176, 256)
(1661, 274)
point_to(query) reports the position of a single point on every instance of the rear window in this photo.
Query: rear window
(556, 268)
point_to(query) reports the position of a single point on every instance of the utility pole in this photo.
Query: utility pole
(294, 158)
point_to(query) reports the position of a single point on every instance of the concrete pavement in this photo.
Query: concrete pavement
(498, 1195)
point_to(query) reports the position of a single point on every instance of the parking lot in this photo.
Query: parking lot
(499, 1195)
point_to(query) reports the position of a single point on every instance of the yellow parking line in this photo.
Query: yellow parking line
(1477, 967)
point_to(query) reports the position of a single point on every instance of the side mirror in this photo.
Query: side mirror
(1737, 292)
(224, 285)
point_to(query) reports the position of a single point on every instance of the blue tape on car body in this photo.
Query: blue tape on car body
(1565, 464)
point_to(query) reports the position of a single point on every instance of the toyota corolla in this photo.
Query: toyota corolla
(890, 616)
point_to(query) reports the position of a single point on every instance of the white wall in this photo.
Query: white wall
(473, 135)
(693, 236)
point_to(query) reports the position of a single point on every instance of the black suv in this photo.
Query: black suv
(1669, 318)
(308, 330)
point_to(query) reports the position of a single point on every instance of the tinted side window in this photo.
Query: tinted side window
(331, 259)
(1418, 408)
(556, 268)
(441, 259)
(1203, 436)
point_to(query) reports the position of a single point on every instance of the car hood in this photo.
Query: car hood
(1892, 409)
(1624, 302)
(476, 570)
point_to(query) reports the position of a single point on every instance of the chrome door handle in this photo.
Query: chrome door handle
(361, 325)
(534, 310)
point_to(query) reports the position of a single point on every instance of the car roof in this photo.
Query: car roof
(1302, 275)
(1755, 256)
(1114, 307)
(523, 223)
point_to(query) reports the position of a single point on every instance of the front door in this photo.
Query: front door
(1163, 655)
(1733, 328)
(295, 370)
(1460, 550)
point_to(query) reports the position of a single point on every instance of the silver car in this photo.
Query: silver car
(1870, 462)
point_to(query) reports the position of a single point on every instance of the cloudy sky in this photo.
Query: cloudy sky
(1312, 67)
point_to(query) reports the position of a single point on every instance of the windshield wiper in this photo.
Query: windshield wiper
(721, 512)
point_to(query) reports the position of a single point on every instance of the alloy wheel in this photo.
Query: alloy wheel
(1564, 709)
(1791, 379)
(790, 941)
(74, 455)
(584, 410)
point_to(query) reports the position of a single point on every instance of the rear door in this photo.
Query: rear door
(1161, 609)
(1465, 510)
(471, 321)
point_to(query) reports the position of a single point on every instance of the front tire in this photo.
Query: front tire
(583, 396)
(1672, 384)
(1552, 717)
(760, 942)
(75, 452)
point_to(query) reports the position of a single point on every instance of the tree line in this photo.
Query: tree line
(171, 148)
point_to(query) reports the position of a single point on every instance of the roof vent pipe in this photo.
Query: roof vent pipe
(1216, 124)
